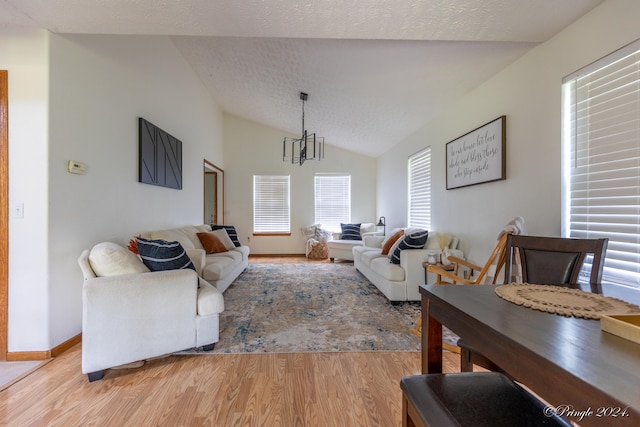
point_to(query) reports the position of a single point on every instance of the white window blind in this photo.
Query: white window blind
(601, 160)
(271, 207)
(420, 189)
(332, 200)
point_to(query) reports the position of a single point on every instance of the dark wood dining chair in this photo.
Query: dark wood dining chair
(543, 261)
(472, 399)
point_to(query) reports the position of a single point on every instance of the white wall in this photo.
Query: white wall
(528, 93)
(253, 149)
(24, 53)
(98, 87)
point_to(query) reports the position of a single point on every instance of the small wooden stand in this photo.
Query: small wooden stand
(418, 329)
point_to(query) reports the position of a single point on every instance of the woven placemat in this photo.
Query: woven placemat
(564, 301)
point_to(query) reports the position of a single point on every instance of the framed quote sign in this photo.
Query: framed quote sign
(478, 156)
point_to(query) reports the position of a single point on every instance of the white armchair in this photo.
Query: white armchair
(343, 249)
(139, 315)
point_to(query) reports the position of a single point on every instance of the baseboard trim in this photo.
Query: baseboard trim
(14, 356)
(22, 356)
(59, 349)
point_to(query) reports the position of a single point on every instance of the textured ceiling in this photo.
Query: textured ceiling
(375, 70)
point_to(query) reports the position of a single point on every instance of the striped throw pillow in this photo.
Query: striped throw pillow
(160, 255)
(415, 240)
(231, 231)
(350, 232)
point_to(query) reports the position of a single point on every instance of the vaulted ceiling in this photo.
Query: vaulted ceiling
(375, 70)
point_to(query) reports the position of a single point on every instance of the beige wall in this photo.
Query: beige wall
(79, 97)
(25, 54)
(528, 92)
(252, 149)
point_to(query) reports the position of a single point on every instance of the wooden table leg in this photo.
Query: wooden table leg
(431, 341)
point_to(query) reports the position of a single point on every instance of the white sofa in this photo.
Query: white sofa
(130, 314)
(343, 249)
(398, 282)
(219, 269)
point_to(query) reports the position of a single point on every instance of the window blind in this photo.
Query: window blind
(332, 200)
(601, 160)
(420, 189)
(271, 207)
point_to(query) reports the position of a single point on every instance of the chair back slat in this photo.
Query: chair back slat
(555, 260)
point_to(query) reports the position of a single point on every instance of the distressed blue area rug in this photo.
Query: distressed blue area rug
(292, 308)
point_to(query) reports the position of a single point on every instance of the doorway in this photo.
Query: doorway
(213, 194)
(4, 212)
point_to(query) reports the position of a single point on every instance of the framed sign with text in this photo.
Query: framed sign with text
(478, 156)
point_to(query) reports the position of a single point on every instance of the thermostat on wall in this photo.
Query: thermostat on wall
(76, 167)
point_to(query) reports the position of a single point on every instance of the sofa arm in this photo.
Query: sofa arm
(198, 258)
(373, 241)
(137, 316)
(411, 261)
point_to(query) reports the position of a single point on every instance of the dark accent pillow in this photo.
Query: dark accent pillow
(160, 255)
(415, 240)
(231, 231)
(350, 232)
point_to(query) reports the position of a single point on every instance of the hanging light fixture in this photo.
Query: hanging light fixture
(307, 147)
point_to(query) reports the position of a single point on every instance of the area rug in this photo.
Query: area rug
(291, 308)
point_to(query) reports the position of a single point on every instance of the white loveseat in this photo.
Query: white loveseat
(398, 282)
(219, 269)
(343, 248)
(130, 314)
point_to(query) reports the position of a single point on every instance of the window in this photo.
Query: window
(420, 189)
(271, 206)
(332, 200)
(601, 160)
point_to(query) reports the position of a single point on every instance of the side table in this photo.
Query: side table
(418, 328)
(442, 266)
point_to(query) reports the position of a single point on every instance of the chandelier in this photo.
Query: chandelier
(307, 147)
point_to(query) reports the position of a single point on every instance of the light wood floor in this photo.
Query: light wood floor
(10, 372)
(296, 389)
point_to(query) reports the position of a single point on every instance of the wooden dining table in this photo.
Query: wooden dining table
(589, 376)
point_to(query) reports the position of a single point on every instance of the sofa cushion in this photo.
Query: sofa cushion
(231, 231)
(391, 272)
(388, 243)
(369, 255)
(368, 227)
(160, 255)
(350, 232)
(111, 259)
(359, 250)
(218, 266)
(234, 254)
(210, 299)
(415, 240)
(187, 236)
(211, 243)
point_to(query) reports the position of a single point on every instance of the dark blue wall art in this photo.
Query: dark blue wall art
(160, 157)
